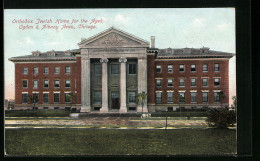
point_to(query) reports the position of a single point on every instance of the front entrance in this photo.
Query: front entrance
(115, 100)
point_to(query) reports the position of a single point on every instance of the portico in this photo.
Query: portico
(123, 61)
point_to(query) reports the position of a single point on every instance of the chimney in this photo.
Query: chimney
(152, 41)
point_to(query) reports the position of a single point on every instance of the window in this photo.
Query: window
(181, 97)
(193, 68)
(45, 70)
(131, 68)
(182, 84)
(25, 97)
(159, 97)
(217, 81)
(204, 82)
(56, 97)
(56, 70)
(193, 82)
(67, 83)
(35, 98)
(114, 69)
(67, 98)
(170, 69)
(205, 96)
(216, 96)
(25, 71)
(25, 84)
(216, 68)
(170, 83)
(131, 97)
(182, 69)
(158, 69)
(67, 70)
(170, 97)
(97, 69)
(57, 83)
(193, 96)
(158, 82)
(97, 97)
(205, 67)
(35, 70)
(35, 83)
(45, 97)
(46, 83)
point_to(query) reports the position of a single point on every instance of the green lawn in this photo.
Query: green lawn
(120, 142)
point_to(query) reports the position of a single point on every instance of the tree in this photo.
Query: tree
(221, 118)
(222, 97)
(181, 99)
(234, 98)
(33, 99)
(141, 99)
(72, 98)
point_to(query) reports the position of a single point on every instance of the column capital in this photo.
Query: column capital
(122, 60)
(103, 60)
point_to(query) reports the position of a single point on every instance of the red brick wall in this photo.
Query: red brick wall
(73, 76)
(150, 80)
(223, 74)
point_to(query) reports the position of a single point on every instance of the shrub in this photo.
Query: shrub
(221, 118)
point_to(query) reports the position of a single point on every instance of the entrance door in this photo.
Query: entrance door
(115, 100)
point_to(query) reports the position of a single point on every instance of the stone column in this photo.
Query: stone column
(142, 80)
(85, 84)
(123, 108)
(104, 107)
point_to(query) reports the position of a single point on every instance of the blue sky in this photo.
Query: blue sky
(176, 28)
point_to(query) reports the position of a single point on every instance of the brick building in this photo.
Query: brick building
(109, 69)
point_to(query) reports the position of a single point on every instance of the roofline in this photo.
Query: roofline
(111, 28)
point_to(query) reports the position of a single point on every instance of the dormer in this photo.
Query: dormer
(51, 53)
(186, 50)
(36, 53)
(169, 51)
(204, 50)
(68, 53)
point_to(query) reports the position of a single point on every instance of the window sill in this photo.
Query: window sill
(25, 87)
(170, 86)
(46, 87)
(204, 71)
(193, 86)
(35, 87)
(182, 86)
(169, 102)
(67, 87)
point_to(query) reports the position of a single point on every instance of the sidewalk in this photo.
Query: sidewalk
(106, 123)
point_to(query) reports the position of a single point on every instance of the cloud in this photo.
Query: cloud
(198, 22)
(121, 19)
(222, 26)
(25, 40)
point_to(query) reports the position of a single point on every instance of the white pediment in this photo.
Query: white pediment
(113, 38)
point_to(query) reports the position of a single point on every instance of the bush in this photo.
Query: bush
(221, 118)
